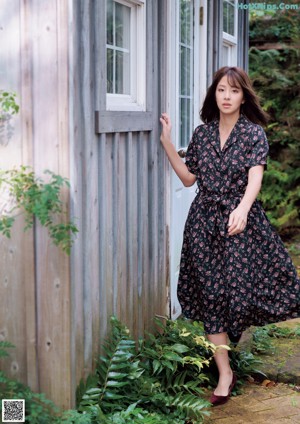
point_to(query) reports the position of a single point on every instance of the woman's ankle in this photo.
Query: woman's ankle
(226, 373)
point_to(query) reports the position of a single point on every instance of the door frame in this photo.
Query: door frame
(172, 90)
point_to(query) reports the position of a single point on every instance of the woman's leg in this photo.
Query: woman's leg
(223, 364)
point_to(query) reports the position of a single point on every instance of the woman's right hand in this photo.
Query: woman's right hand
(165, 136)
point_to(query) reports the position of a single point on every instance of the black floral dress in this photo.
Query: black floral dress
(232, 282)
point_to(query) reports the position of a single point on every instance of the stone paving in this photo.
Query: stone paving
(278, 404)
(259, 405)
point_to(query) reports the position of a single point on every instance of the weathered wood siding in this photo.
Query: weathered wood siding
(56, 309)
(34, 275)
(119, 262)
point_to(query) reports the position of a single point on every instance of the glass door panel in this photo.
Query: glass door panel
(186, 65)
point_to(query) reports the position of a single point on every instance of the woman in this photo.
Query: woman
(234, 271)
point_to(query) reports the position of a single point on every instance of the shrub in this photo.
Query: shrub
(274, 70)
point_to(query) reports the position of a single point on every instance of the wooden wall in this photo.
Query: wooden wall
(34, 275)
(119, 194)
(56, 309)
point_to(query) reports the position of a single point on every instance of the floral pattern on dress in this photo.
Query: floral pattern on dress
(232, 282)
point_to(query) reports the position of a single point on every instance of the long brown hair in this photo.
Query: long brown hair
(236, 77)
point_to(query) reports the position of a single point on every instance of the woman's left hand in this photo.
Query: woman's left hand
(237, 221)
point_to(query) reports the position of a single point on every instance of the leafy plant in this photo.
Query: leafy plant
(284, 332)
(38, 409)
(275, 75)
(262, 342)
(30, 195)
(263, 337)
(8, 105)
(158, 381)
(4, 345)
(116, 372)
(37, 200)
(244, 364)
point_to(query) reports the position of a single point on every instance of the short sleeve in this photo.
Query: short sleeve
(192, 158)
(259, 150)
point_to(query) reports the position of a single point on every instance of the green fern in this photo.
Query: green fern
(157, 382)
(192, 406)
(117, 371)
(84, 386)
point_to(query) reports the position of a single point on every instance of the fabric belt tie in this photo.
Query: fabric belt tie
(215, 205)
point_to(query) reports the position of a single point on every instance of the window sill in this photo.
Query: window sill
(124, 103)
(122, 121)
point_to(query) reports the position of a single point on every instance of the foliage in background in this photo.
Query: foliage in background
(22, 192)
(39, 410)
(263, 337)
(274, 69)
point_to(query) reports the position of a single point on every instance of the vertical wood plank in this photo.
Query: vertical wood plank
(84, 119)
(90, 187)
(103, 282)
(109, 231)
(115, 223)
(51, 264)
(76, 197)
(12, 311)
(163, 182)
(132, 231)
(13, 323)
(122, 193)
(63, 279)
(146, 299)
(28, 262)
(153, 284)
(128, 229)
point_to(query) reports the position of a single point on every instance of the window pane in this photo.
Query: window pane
(118, 48)
(186, 121)
(110, 70)
(122, 26)
(226, 51)
(228, 16)
(185, 71)
(109, 23)
(186, 14)
(122, 73)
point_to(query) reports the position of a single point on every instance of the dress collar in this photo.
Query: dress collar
(240, 127)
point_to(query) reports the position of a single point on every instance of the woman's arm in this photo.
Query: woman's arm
(238, 217)
(178, 165)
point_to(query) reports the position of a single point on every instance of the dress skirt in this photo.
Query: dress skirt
(232, 282)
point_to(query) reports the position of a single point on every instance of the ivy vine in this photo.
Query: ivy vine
(22, 192)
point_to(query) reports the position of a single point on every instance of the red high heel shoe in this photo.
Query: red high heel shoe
(216, 400)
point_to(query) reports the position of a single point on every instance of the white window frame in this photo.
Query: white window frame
(136, 100)
(184, 143)
(230, 41)
(172, 107)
